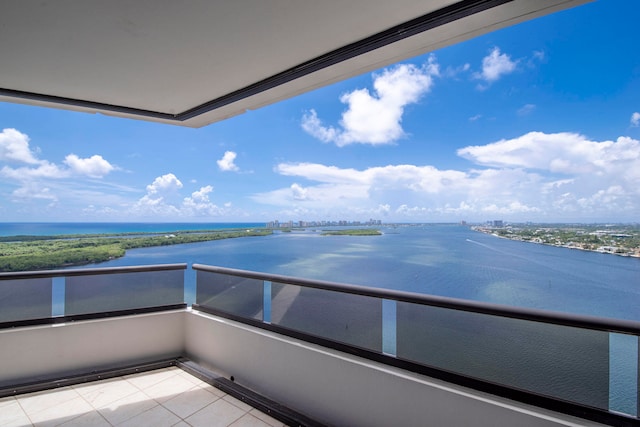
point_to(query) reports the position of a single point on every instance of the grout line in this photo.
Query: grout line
(24, 412)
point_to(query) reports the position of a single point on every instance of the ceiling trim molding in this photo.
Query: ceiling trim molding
(81, 103)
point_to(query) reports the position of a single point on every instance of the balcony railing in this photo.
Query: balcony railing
(29, 298)
(578, 365)
(582, 365)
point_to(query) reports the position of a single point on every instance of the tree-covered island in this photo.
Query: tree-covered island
(352, 232)
(27, 253)
(616, 239)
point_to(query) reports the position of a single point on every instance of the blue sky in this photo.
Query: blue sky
(536, 122)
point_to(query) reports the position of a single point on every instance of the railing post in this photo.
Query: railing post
(389, 327)
(266, 302)
(190, 286)
(57, 296)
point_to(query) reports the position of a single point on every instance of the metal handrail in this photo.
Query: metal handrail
(531, 314)
(90, 271)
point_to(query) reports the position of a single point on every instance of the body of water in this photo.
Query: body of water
(445, 260)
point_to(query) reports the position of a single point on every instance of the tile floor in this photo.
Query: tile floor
(165, 397)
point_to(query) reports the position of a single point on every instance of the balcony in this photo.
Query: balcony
(307, 352)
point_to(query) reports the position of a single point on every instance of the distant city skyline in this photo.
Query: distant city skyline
(537, 122)
(322, 223)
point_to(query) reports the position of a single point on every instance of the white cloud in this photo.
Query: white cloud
(44, 170)
(41, 180)
(226, 163)
(33, 191)
(202, 195)
(322, 173)
(147, 200)
(376, 118)
(526, 109)
(314, 127)
(539, 55)
(298, 192)
(14, 147)
(451, 72)
(163, 201)
(94, 166)
(200, 205)
(104, 212)
(408, 191)
(635, 119)
(70, 195)
(515, 179)
(495, 65)
(567, 153)
(164, 183)
(155, 207)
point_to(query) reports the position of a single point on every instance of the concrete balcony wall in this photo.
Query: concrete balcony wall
(32, 352)
(340, 389)
(329, 386)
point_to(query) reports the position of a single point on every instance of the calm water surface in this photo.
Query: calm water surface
(445, 260)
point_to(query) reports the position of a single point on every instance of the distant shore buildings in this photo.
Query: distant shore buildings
(341, 223)
(621, 240)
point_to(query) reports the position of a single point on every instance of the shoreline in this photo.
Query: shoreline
(34, 253)
(564, 246)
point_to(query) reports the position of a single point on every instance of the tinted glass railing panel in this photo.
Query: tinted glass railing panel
(623, 373)
(24, 299)
(347, 318)
(236, 295)
(123, 291)
(559, 361)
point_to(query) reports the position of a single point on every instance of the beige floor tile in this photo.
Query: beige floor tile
(168, 388)
(144, 380)
(7, 401)
(239, 403)
(213, 390)
(23, 421)
(11, 414)
(266, 418)
(92, 419)
(129, 407)
(92, 386)
(10, 407)
(156, 417)
(113, 391)
(181, 424)
(190, 402)
(65, 411)
(191, 378)
(249, 420)
(33, 403)
(219, 414)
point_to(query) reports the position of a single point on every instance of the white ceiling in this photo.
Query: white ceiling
(164, 60)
